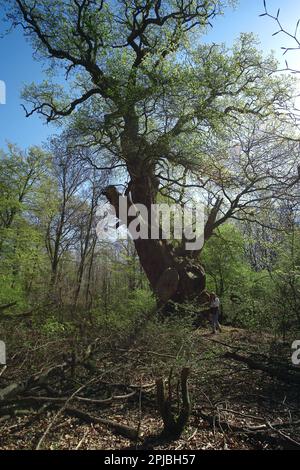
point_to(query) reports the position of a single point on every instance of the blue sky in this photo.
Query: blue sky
(17, 67)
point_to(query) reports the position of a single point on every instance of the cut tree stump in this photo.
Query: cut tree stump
(174, 425)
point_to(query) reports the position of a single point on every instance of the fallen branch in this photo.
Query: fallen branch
(121, 429)
(275, 363)
(271, 371)
(42, 399)
(18, 388)
(285, 436)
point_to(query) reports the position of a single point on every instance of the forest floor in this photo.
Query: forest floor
(245, 393)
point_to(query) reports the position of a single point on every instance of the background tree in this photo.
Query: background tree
(22, 175)
(60, 220)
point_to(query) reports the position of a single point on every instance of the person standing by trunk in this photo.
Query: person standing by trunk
(215, 312)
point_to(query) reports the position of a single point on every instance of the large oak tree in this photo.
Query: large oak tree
(150, 98)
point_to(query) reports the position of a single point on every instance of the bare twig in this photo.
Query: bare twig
(82, 440)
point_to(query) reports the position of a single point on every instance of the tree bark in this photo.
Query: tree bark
(174, 425)
(173, 275)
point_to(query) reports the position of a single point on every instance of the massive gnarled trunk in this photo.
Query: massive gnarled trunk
(173, 274)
